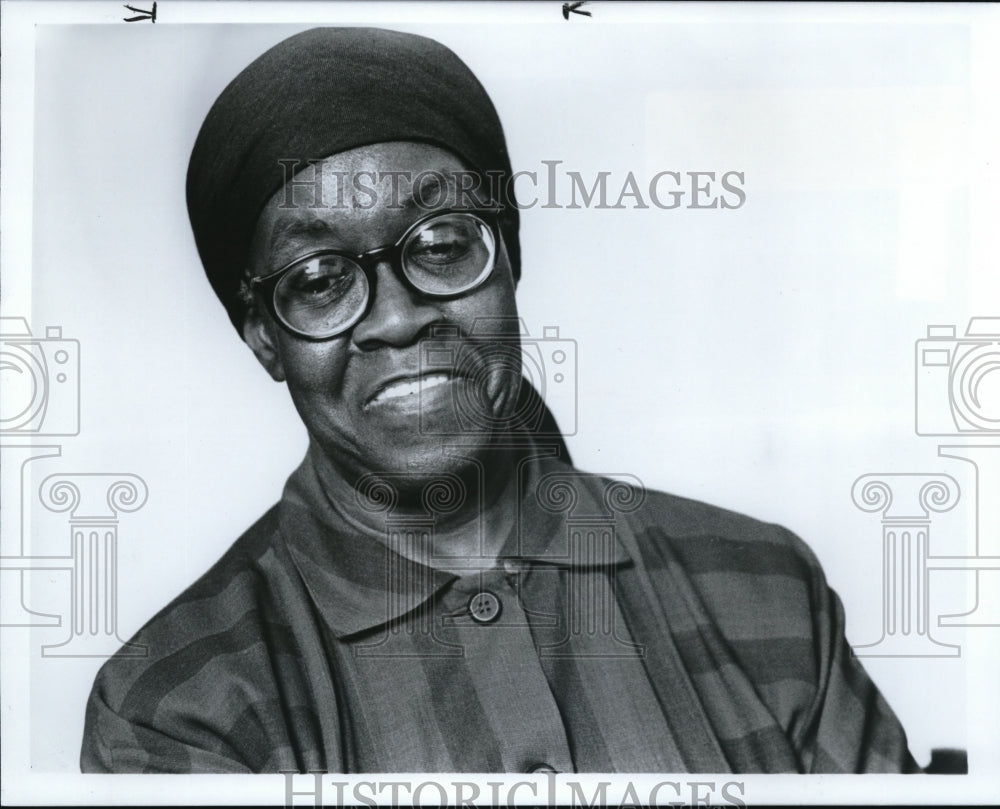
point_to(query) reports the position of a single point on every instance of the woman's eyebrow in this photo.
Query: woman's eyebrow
(290, 230)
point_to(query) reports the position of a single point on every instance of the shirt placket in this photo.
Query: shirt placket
(482, 612)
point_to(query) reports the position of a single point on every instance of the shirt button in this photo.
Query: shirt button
(484, 607)
(543, 768)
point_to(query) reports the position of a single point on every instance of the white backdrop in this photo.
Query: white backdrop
(760, 358)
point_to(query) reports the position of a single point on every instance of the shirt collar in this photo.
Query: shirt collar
(360, 583)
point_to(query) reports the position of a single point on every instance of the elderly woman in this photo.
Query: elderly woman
(438, 589)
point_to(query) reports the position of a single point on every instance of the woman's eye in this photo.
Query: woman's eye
(322, 277)
(442, 244)
(317, 286)
(442, 250)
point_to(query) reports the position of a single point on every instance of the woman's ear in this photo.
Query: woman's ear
(259, 333)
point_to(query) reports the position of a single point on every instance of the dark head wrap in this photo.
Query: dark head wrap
(318, 93)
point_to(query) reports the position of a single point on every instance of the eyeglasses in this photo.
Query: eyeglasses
(323, 294)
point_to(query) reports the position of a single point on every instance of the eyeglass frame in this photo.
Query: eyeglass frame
(267, 285)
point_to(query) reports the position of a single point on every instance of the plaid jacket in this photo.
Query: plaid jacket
(624, 631)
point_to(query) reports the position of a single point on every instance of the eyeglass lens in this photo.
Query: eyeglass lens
(327, 293)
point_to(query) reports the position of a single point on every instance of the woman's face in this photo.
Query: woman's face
(365, 395)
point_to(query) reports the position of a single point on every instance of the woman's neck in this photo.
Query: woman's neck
(460, 518)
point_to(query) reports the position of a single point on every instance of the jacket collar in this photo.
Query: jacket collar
(360, 583)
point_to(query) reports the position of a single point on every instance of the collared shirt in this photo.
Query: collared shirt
(621, 631)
